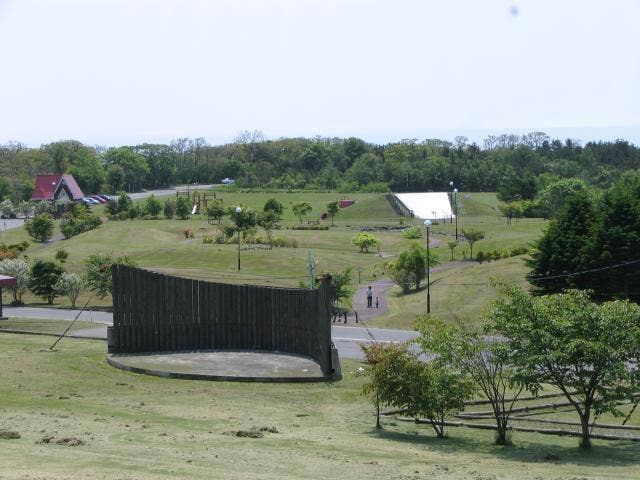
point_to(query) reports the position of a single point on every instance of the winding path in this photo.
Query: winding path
(381, 292)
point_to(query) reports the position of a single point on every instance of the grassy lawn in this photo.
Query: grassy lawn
(160, 245)
(38, 325)
(134, 426)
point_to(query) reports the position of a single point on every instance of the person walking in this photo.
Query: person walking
(369, 297)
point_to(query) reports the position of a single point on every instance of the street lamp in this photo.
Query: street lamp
(451, 188)
(427, 224)
(455, 205)
(238, 212)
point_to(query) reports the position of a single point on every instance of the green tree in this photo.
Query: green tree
(40, 227)
(301, 209)
(5, 188)
(412, 266)
(124, 203)
(582, 348)
(20, 270)
(273, 205)
(216, 210)
(340, 287)
(115, 178)
(169, 209)
(614, 240)
(554, 196)
(70, 285)
(384, 362)
(152, 206)
(134, 166)
(468, 350)
(366, 169)
(98, 275)
(365, 240)
(452, 246)
(268, 220)
(43, 277)
(183, 208)
(471, 235)
(332, 209)
(398, 378)
(560, 249)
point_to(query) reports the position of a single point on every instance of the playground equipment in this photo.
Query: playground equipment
(199, 199)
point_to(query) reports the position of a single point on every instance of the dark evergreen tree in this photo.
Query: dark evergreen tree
(560, 250)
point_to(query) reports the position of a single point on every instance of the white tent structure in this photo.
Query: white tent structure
(427, 205)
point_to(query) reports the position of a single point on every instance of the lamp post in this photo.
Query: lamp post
(451, 188)
(455, 205)
(238, 212)
(427, 224)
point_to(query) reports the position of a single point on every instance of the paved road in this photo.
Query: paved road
(346, 339)
(167, 191)
(9, 223)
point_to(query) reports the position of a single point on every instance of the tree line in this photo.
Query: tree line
(517, 167)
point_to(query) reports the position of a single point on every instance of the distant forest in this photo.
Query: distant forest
(518, 167)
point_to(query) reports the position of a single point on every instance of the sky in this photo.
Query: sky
(115, 72)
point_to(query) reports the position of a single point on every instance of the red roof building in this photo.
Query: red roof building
(56, 187)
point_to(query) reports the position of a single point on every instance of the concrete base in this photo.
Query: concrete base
(225, 365)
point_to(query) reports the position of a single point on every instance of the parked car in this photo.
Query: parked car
(98, 198)
(104, 197)
(228, 181)
(89, 202)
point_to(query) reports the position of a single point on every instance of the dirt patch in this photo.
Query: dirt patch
(253, 432)
(9, 435)
(65, 441)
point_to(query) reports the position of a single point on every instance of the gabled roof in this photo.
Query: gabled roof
(48, 187)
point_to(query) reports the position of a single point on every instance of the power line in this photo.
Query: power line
(552, 277)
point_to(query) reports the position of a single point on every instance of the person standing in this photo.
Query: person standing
(369, 297)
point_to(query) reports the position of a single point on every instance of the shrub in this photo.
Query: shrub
(519, 251)
(20, 270)
(40, 227)
(480, 257)
(188, 233)
(169, 209)
(412, 233)
(152, 207)
(216, 210)
(149, 217)
(183, 208)
(77, 220)
(284, 242)
(133, 212)
(273, 205)
(365, 240)
(61, 255)
(7, 209)
(42, 207)
(98, 272)
(43, 277)
(123, 215)
(70, 285)
(310, 227)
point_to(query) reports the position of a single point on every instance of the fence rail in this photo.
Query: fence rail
(157, 312)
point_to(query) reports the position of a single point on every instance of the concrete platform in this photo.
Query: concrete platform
(224, 365)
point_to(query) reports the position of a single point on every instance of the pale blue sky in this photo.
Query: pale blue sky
(116, 71)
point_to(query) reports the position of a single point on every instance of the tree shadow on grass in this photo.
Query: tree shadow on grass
(603, 453)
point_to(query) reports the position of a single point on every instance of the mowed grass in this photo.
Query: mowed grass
(38, 325)
(463, 293)
(141, 427)
(160, 245)
(457, 295)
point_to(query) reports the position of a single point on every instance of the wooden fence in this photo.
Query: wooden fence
(153, 312)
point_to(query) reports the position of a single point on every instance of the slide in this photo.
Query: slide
(195, 210)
